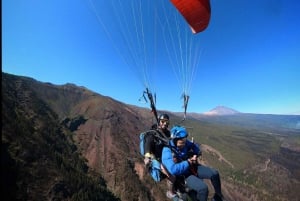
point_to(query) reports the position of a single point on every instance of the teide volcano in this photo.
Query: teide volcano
(221, 110)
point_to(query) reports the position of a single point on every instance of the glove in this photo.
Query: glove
(148, 159)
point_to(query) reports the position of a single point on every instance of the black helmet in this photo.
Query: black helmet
(163, 117)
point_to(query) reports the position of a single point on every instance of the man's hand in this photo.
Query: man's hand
(193, 160)
(147, 161)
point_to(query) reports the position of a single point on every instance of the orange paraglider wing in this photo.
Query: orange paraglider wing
(195, 12)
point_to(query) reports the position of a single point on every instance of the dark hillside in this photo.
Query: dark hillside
(39, 161)
(47, 123)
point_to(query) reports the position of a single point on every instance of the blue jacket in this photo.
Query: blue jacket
(179, 164)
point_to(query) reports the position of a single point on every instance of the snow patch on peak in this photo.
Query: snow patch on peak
(221, 110)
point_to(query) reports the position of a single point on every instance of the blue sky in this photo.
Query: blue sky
(248, 57)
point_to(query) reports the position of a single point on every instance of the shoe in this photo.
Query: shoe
(170, 195)
(217, 198)
(182, 196)
(176, 198)
(173, 196)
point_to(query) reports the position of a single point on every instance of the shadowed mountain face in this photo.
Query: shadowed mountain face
(39, 160)
(53, 135)
(103, 131)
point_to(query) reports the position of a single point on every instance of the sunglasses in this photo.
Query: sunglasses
(164, 121)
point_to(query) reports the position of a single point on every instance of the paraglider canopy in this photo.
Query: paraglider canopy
(143, 32)
(195, 12)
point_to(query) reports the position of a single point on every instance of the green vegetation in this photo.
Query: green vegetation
(251, 150)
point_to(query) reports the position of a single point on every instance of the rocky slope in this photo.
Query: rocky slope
(103, 130)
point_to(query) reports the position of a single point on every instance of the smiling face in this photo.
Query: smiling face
(164, 124)
(180, 143)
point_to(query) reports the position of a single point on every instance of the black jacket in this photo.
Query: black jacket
(155, 140)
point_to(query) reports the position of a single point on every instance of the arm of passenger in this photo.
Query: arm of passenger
(174, 168)
(195, 148)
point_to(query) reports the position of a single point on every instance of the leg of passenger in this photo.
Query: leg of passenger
(205, 172)
(199, 186)
(170, 182)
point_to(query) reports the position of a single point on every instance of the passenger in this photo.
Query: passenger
(186, 164)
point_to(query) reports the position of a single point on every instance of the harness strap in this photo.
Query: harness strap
(152, 103)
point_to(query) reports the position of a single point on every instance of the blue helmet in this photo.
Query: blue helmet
(178, 132)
